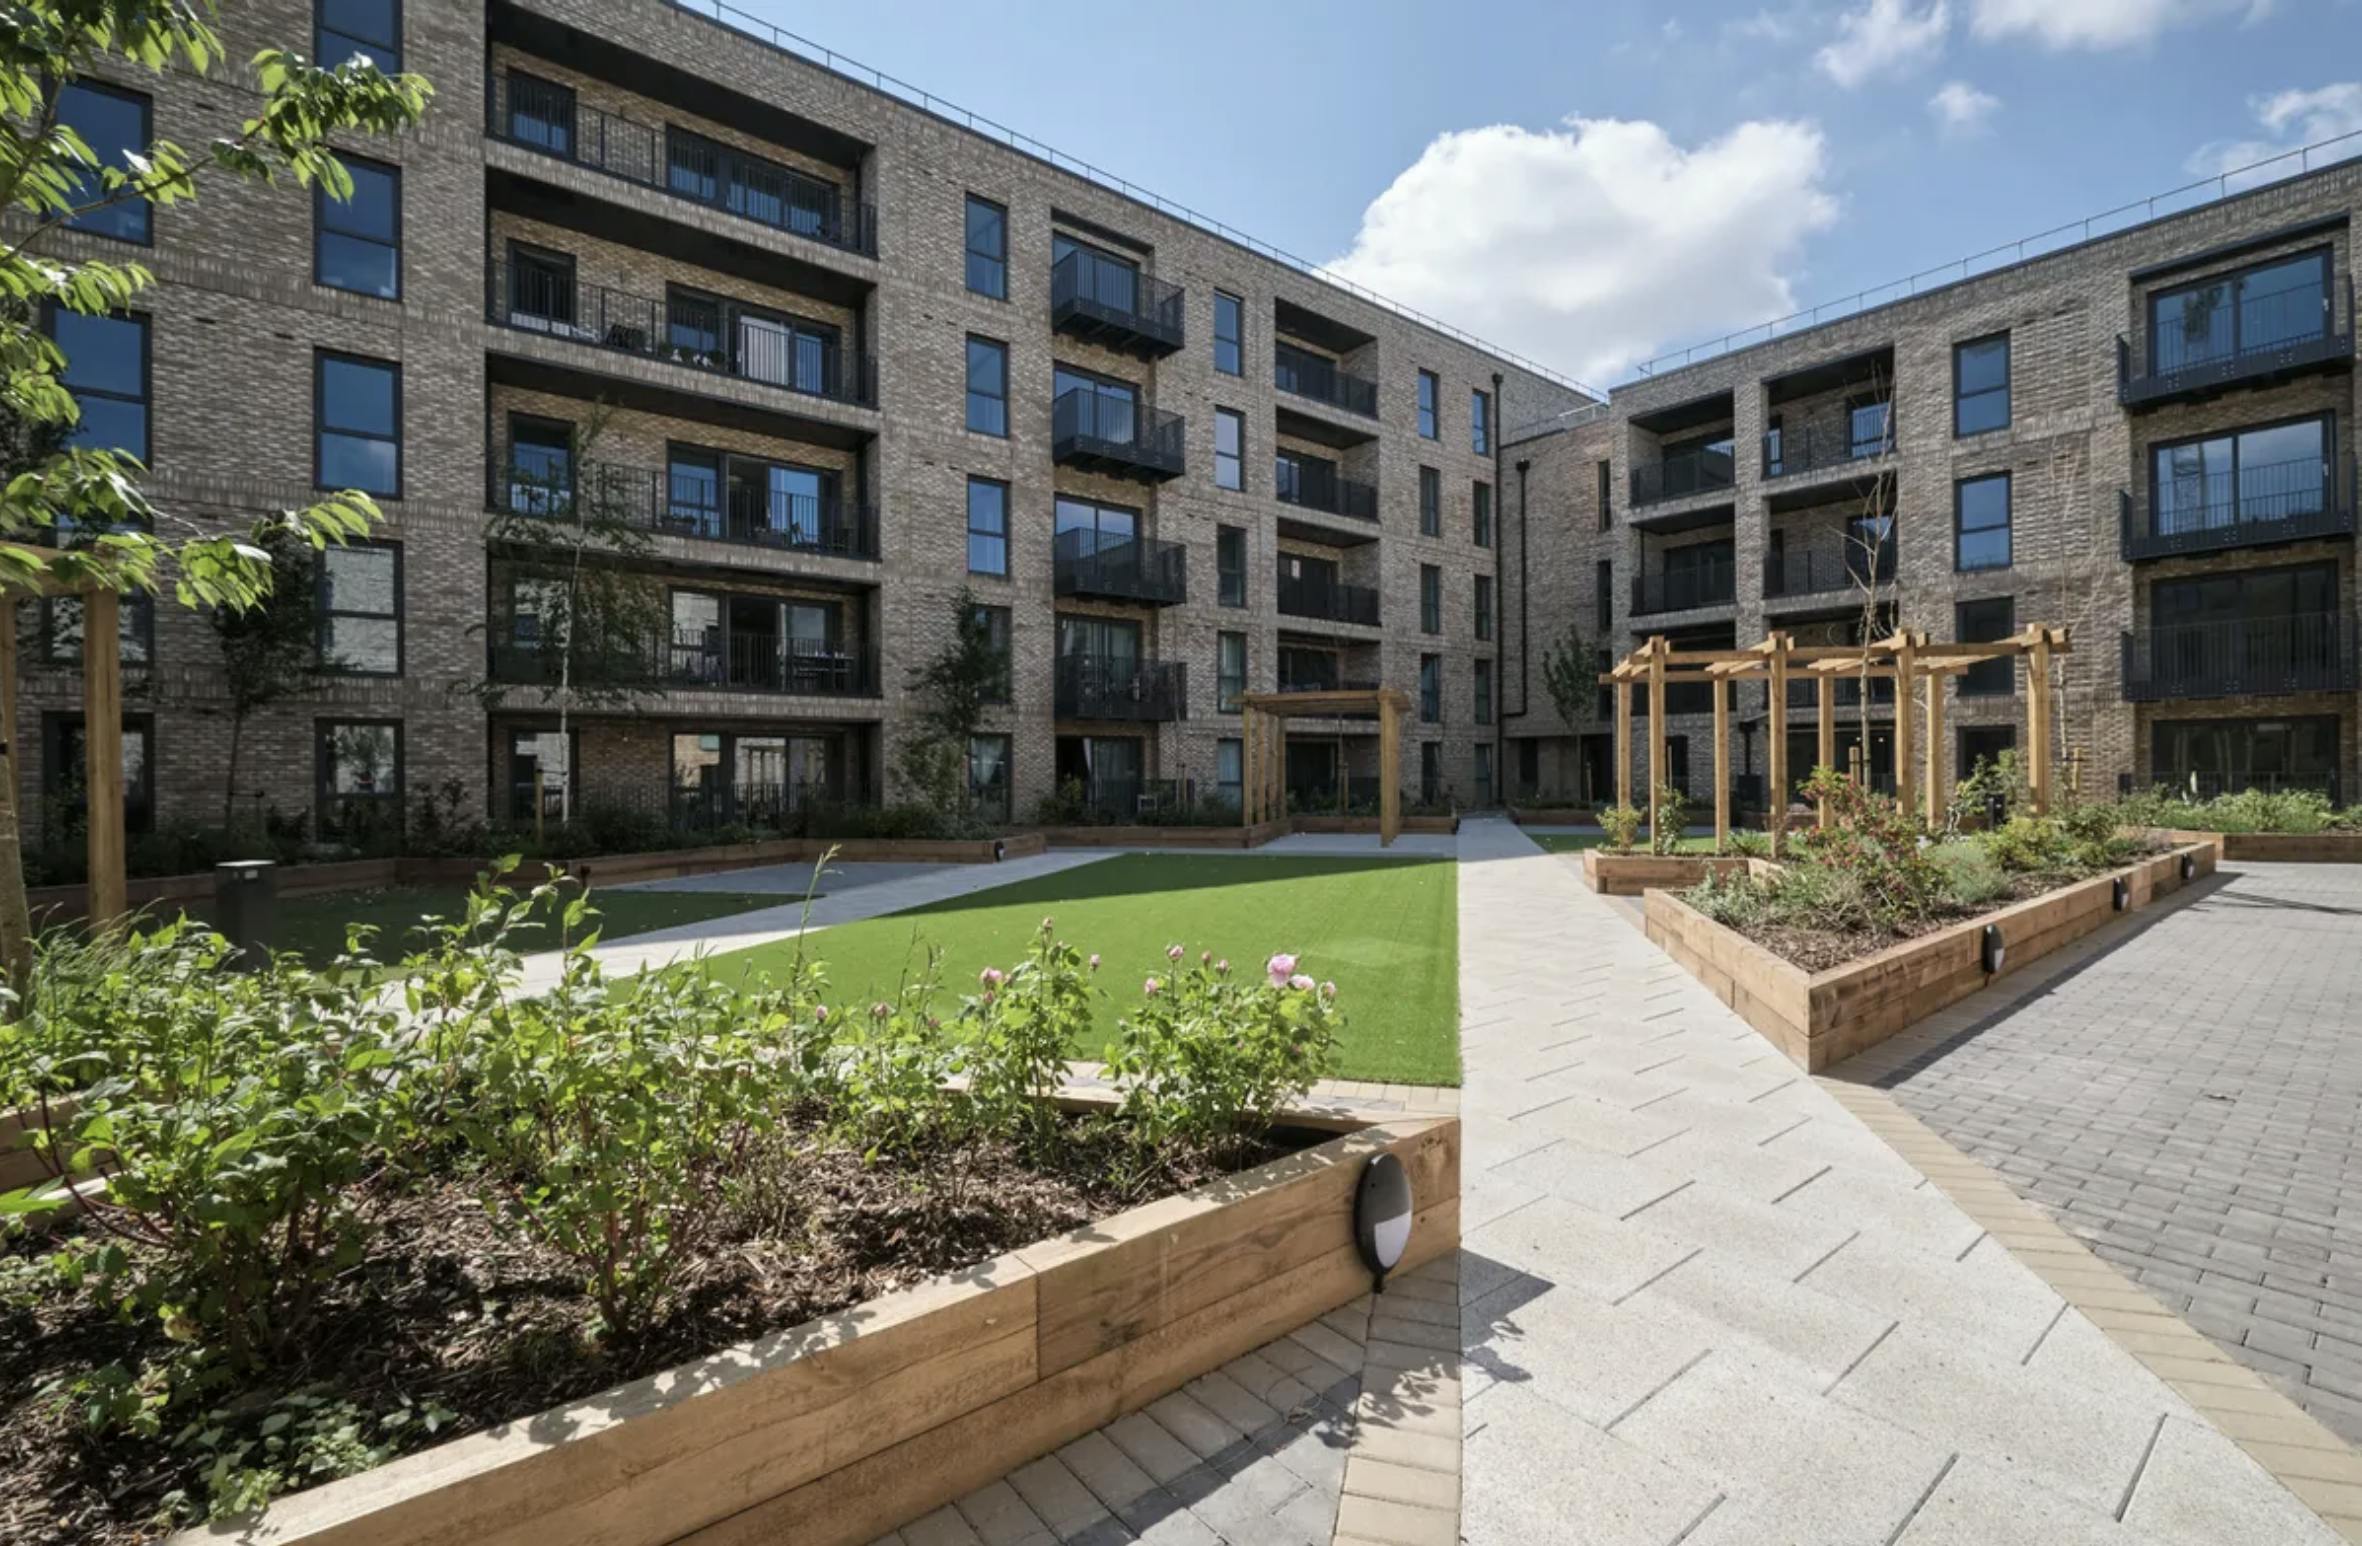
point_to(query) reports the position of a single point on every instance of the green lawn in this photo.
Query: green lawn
(1576, 842)
(1386, 930)
(313, 925)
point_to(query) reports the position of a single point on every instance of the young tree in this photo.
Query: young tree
(49, 176)
(955, 689)
(1570, 673)
(267, 649)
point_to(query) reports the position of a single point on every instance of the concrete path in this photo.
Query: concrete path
(790, 880)
(1705, 1303)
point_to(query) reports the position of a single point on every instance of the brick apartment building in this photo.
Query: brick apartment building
(833, 357)
(2147, 436)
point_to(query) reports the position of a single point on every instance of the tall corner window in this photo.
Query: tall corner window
(1430, 502)
(1431, 689)
(988, 386)
(116, 125)
(360, 610)
(107, 372)
(1980, 522)
(1230, 448)
(1428, 390)
(1481, 504)
(357, 242)
(1430, 599)
(988, 526)
(1484, 606)
(1982, 622)
(994, 622)
(1606, 496)
(1230, 565)
(1484, 692)
(988, 774)
(1603, 593)
(357, 419)
(1230, 771)
(358, 779)
(370, 28)
(1980, 385)
(1230, 329)
(988, 248)
(1230, 671)
(1480, 422)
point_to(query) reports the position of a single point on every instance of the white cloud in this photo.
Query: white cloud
(1764, 26)
(1961, 109)
(2101, 23)
(1885, 37)
(1593, 244)
(2291, 118)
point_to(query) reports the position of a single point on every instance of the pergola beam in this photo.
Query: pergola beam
(1263, 752)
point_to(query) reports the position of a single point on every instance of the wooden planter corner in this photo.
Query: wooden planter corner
(1822, 1018)
(1617, 874)
(2277, 847)
(839, 1430)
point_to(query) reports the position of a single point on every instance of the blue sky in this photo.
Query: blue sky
(1592, 183)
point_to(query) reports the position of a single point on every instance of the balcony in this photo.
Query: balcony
(1808, 573)
(1305, 374)
(2297, 501)
(1311, 488)
(1115, 305)
(1148, 692)
(1822, 448)
(651, 499)
(1140, 570)
(1683, 590)
(1327, 601)
(1681, 475)
(801, 668)
(548, 120)
(2267, 338)
(676, 331)
(1104, 432)
(2254, 657)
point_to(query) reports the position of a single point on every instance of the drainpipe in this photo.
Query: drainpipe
(1498, 427)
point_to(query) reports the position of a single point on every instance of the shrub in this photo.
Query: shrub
(1021, 1025)
(1621, 823)
(1970, 876)
(1873, 840)
(1751, 845)
(1664, 833)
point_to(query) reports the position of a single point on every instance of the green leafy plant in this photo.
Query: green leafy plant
(1873, 840)
(1664, 833)
(1019, 1027)
(1969, 875)
(1622, 824)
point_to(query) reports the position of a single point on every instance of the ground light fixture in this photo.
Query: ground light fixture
(1382, 1207)
(2189, 867)
(2121, 892)
(1000, 850)
(1996, 949)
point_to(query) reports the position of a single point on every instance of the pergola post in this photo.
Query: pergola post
(1623, 691)
(102, 741)
(2038, 719)
(1776, 812)
(1721, 766)
(8, 728)
(1935, 747)
(1656, 728)
(1906, 661)
(1389, 771)
(1826, 703)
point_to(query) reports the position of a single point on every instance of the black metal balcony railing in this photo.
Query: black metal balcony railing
(2279, 502)
(1311, 488)
(1681, 475)
(1115, 304)
(1679, 590)
(1811, 572)
(548, 119)
(1819, 448)
(651, 499)
(2254, 657)
(1319, 681)
(810, 668)
(534, 299)
(2207, 785)
(1120, 687)
(1305, 374)
(1109, 432)
(1328, 601)
(2265, 336)
(1138, 569)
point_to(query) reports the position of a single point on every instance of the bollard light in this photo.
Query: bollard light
(1996, 949)
(1000, 850)
(2189, 868)
(2122, 892)
(1382, 1207)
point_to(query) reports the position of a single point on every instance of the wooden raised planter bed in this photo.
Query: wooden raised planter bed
(2279, 847)
(1440, 826)
(837, 1431)
(1614, 874)
(1821, 1018)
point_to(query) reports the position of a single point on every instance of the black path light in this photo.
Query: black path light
(2121, 892)
(1996, 950)
(1382, 1208)
(2189, 868)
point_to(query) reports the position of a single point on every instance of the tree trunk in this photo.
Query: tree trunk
(229, 793)
(16, 924)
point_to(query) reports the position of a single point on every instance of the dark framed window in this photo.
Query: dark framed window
(1480, 422)
(1484, 692)
(1607, 507)
(1230, 565)
(538, 777)
(1980, 385)
(357, 783)
(1430, 599)
(1982, 746)
(996, 636)
(359, 602)
(539, 466)
(1230, 671)
(2239, 598)
(727, 178)
(1484, 606)
(540, 113)
(1870, 427)
(1431, 689)
(116, 125)
(988, 386)
(109, 371)
(2223, 756)
(774, 347)
(1230, 448)
(1481, 513)
(1430, 772)
(370, 28)
(988, 248)
(988, 774)
(2280, 301)
(65, 773)
(1230, 775)
(541, 293)
(1980, 522)
(988, 526)
(2256, 476)
(135, 631)
(1603, 592)
(1484, 772)
(1430, 502)
(1429, 387)
(1982, 622)
(357, 421)
(357, 242)
(1230, 329)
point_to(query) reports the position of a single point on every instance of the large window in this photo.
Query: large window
(988, 526)
(1230, 565)
(1430, 599)
(988, 248)
(1484, 606)
(357, 242)
(107, 371)
(1480, 422)
(1481, 506)
(358, 778)
(1980, 385)
(540, 777)
(1430, 772)
(2249, 477)
(135, 631)
(370, 28)
(360, 610)
(988, 774)
(116, 125)
(1430, 502)
(2245, 596)
(1982, 622)
(1230, 777)
(767, 346)
(65, 773)
(2220, 756)
(1431, 689)
(540, 113)
(1229, 334)
(1484, 692)
(1980, 523)
(1230, 448)
(994, 623)
(1603, 592)
(1230, 671)
(988, 386)
(357, 412)
(2283, 301)
(1428, 389)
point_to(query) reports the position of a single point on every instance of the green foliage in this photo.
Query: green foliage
(1969, 874)
(300, 1440)
(266, 649)
(2002, 777)
(954, 690)
(1664, 834)
(1020, 1025)
(1622, 824)
(2250, 810)
(1570, 673)
(1876, 843)
(1750, 844)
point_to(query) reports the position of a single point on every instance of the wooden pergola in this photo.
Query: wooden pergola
(1263, 752)
(1906, 658)
(102, 730)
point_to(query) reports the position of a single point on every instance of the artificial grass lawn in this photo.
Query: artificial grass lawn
(313, 925)
(1386, 930)
(1576, 842)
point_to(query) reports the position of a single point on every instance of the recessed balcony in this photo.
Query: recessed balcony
(2251, 657)
(1120, 688)
(2296, 501)
(1140, 570)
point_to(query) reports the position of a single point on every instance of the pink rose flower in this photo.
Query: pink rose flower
(880, 1009)
(820, 1014)
(1328, 991)
(1173, 952)
(1222, 967)
(991, 977)
(1094, 960)
(1149, 987)
(1279, 969)
(1301, 983)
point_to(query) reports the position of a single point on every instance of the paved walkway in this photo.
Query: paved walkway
(1705, 1303)
(2184, 1100)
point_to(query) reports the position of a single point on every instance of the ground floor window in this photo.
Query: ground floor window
(731, 779)
(1430, 772)
(2207, 757)
(1312, 774)
(988, 774)
(65, 775)
(358, 779)
(538, 775)
(1484, 773)
(1110, 771)
(1982, 746)
(1804, 750)
(1230, 781)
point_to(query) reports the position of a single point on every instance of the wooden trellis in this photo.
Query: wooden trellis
(102, 731)
(1263, 749)
(1906, 658)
